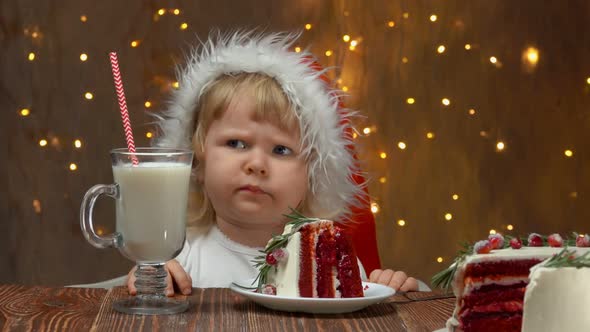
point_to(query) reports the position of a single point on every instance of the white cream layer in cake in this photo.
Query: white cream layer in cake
(557, 299)
(286, 276)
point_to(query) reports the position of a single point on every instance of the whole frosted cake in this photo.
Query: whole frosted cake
(490, 280)
(311, 258)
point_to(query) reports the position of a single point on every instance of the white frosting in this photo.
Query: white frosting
(287, 274)
(557, 299)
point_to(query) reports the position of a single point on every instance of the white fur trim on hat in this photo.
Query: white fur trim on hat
(331, 165)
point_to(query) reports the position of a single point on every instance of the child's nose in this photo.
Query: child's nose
(256, 164)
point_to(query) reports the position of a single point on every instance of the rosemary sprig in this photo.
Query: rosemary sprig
(278, 241)
(566, 258)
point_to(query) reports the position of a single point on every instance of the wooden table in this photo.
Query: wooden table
(36, 308)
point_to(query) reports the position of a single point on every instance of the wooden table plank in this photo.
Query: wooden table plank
(26, 308)
(219, 309)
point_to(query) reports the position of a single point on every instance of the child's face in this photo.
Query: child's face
(253, 170)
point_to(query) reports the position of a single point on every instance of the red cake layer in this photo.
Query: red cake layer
(331, 255)
(518, 267)
(494, 306)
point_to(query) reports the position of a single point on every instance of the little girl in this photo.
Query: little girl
(269, 135)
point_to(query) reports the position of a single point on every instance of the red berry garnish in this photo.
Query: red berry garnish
(583, 240)
(269, 290)
(482, 247)
(535, 240)
(515, 243)
(555, 240)
(270, 259)
(280, 254)
(496, 240)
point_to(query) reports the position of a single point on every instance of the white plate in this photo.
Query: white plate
(374, 293)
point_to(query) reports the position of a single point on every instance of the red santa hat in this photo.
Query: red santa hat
(335, 179)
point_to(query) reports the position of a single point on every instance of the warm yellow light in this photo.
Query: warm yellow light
(297, 49)
(149, 134)
(88, 95)
(161, 11)
(401, 145)
(500, 146)
(83, 18)
(448, 216)
(509, 227)
(483, 133)
(352, 47)
(366, 130)
(354, 43)
(345, 88)
(183, 26)
(433, 18)
(568, 153)
(455, 197)
(439, 259)
(430, 135)
(468, 46)
(35, 34)
(25, 112)
(405, 60)
(382, 155)
(588, 80)
(382, 179)
(147, 104)
(406, 15)
(374, 207)
(401, 222)
(441, 49)
(43, 142)
(176, 11)
(471, 111)
(78, 144)
(574, 194)
(354, 135)
(135, 43)
(328, 53)
(308, 26)
(493, 59)
(410, 100)
(492, 231)
(391, 24)
(346, 38)
(83, 57)
(176, 85)
(446, 101)
(31, 56)
(531, 55)
(73, 167)
(37, 206)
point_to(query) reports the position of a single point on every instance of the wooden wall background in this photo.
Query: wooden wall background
(537, 111)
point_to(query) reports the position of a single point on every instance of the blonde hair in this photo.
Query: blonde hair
(272, 105)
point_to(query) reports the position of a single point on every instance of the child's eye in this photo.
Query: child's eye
(236, 144)
(282, 150)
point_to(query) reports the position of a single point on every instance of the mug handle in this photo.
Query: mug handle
(86, 223)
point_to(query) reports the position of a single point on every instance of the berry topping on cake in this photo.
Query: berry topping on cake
(280, 254)
(515, 243)
(583, 240)
(535, 240)
(555, 240)
(271, 259)
(269, 290)
(482, 247)
(496, 240)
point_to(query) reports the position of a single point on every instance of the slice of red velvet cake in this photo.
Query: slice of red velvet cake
(490, 283)
(312, 258)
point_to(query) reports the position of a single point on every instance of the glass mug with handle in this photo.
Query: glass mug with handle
(151, 193)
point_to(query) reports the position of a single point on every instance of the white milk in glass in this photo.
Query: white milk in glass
(151, 209)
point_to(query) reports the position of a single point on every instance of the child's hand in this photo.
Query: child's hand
(176, 275)
(397, 280)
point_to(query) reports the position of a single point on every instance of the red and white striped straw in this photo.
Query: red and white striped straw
(123, 106)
